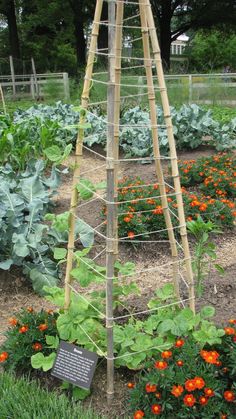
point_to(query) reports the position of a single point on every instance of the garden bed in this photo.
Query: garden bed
(220, 291)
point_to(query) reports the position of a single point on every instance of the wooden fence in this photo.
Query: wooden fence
(35, 86)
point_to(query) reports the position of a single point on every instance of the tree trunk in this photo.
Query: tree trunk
(78, 21)
(165, 32)
(8, 9)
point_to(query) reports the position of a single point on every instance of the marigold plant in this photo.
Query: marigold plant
(201, 386)
(25, 337)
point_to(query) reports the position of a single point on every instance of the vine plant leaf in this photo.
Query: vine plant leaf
(41, 279)
(56, 155)
(39, 360)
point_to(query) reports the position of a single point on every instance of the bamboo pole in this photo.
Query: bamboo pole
(173, 155)
(118, 54)
(156, 150)
(79, 151)
(110, 258)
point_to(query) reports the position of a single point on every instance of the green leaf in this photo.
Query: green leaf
(52, 341)
(86, 189)
(166, 292)
(45, 362)
(56, 155)
(6, 264)
(165, 326)
(40, 279)
(219, 268)
(207, 311)
(80, 393)
(59, 253)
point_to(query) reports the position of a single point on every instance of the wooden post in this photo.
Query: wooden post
(66, 86)
(35, 78)
(78, 152)
(174, 162)
(110, 257)
(13, 76)
(190, 89)
(3, 100)
(32, 87)
(156, 151)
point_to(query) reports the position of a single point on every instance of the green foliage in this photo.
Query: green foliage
(25, 197)
(39, 360)
(213, 50)
(222, 114)
(136, 341)
(204, 252)
(141, 214)
(86, 188)
(215, 174)
(165, 382)
(37, 403)
(24, 339)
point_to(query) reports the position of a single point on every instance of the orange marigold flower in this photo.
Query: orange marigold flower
(189, 218)
(139, 414)
(37, 346)
(229, 396)
(232, 321)
(30, 309)
(131, 234)
(179, 343)
(42, 327)
(161, 365)
(24, 329)
(127, 219)
(158, 395)
(203, 207)
(199, 382)
(229, 330)
(190, 385)
(209, 356)
(156, 409)
(209, 392)
(234, 338)
(50, 312)
(203, 400)
(3, 356)
(151, 388)
(130, 385)
(223, 416)
(13, 321)
(179, 363)
(156, 186)
(158, 210)
(177, 390)
(166, 354)
(189, 400)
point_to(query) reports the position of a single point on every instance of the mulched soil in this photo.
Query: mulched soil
(220, 291)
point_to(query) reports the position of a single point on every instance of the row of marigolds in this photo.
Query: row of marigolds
(189, 382)
(210, 194)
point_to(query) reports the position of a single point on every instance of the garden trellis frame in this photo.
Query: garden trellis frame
(151, 58)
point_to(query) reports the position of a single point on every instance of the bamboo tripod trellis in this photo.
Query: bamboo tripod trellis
(151, 55)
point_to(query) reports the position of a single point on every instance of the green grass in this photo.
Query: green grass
(23, 399)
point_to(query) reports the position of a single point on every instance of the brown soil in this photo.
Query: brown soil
(220, 291)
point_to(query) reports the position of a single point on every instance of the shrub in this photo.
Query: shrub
(216, 175)
(26, 337)
(189, 381)
(143, 212)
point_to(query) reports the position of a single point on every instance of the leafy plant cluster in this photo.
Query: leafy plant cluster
(222, 114)
(141, 213)
(30, 332)
(40, 127)
(25, 198)
(215, 175)
(190, 380)
(135, 341)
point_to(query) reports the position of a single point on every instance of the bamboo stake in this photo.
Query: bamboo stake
(110, 259)
(79, 151)
(158, 167)
(118, 54)
(173, 155)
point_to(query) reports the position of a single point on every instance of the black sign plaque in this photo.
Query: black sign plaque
(75, 364)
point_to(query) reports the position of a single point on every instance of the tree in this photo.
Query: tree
(174, 17)
(7, 8)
